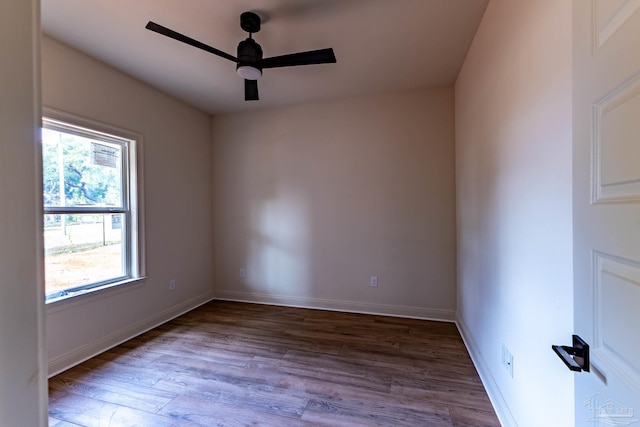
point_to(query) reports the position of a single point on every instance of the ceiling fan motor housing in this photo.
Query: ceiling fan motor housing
(250, 55)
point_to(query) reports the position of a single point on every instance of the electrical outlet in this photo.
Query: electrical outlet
(242, 273)
(374, 281)
(172, 285)
(507, 360)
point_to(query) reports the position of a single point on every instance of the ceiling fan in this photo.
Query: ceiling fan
(249, 62)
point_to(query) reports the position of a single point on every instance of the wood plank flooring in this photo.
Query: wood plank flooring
(236, 364)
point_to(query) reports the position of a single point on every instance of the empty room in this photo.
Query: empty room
(319, 212)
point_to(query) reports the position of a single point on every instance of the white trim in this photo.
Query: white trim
(40, 379)
(339, 305)
(74, 120)
(93, 294)
(107, 342)
(493, 391)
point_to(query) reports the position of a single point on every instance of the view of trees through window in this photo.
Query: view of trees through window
(85, 203)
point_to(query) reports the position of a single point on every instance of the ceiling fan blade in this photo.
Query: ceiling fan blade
(188, 40)
(320, 56)
(251, 90)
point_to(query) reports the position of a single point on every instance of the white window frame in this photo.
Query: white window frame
(133, 208)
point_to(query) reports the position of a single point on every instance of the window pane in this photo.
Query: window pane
(90, 171)
(88, 213)
(83, 249)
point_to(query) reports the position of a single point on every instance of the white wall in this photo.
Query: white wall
(178, 204)
(513, 160)
(313, 200)
(23, 386)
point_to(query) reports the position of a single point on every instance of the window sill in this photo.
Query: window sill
(89, 295)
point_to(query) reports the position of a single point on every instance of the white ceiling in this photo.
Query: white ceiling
(380, 45)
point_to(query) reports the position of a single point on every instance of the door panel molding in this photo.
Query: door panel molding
(616, 292)
(604, 27)
(615, 171)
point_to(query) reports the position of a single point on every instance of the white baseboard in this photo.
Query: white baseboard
(493, 391)
(338, 305)
(94, 348)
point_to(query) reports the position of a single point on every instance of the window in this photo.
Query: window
(92, 234)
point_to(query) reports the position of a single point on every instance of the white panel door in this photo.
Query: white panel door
(606, 125)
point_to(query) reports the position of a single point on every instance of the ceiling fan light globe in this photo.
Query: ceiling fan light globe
(249, 73)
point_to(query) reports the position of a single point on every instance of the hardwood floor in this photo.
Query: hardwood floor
(235, 364)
